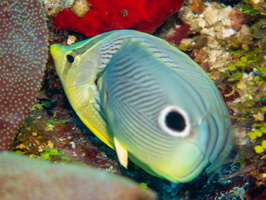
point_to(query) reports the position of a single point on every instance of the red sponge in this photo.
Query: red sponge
(104, 15)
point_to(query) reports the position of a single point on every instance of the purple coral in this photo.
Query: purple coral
(23, 54)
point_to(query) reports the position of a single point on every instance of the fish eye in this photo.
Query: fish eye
(174, 121)
(70, 58)
(73, 56)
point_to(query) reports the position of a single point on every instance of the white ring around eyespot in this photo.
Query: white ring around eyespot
(162, 124)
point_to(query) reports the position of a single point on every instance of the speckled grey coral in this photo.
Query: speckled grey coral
(23, 54)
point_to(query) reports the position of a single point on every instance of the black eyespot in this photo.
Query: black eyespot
(175, 121)
(70, 58)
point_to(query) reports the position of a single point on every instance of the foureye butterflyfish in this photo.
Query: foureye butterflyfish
(147, 100)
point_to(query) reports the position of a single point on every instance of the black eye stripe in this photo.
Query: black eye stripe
(175, 121)
(70, 58)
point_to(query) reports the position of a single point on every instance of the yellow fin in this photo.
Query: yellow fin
(121, 153)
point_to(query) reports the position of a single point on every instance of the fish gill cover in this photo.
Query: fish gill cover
(23, 54)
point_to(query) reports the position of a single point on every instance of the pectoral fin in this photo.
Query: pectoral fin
(121, 153)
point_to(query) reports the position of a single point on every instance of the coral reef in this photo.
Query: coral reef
(23, 55)
(24, 178)
(103, 16)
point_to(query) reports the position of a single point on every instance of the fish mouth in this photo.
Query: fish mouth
(57, 51)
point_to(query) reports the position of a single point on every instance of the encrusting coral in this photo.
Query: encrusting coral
(23, 178)
(23, 54)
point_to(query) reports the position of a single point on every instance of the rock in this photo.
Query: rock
(23, 178)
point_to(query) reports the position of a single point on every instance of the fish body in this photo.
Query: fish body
(148, 101)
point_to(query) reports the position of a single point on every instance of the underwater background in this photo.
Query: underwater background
(226, 38)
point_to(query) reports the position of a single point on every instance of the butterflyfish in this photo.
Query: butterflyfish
(147, 100)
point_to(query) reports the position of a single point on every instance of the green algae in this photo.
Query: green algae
(250, 8)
